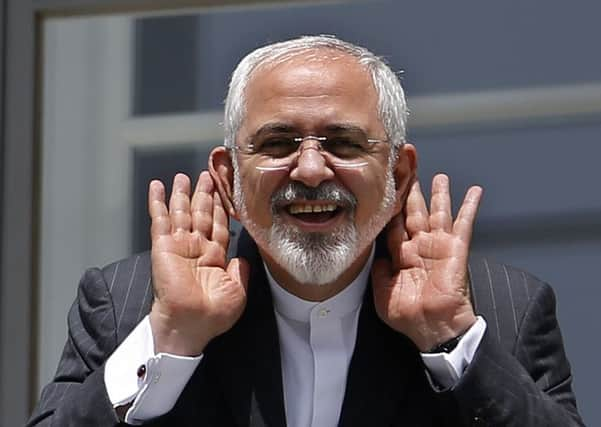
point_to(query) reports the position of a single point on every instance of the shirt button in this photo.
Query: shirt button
(324, 312)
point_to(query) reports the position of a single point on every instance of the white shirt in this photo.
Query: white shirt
(317, 340)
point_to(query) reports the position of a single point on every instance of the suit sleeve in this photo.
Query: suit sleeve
(530, 386)
(77, 395)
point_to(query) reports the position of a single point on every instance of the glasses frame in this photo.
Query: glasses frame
(248, 150)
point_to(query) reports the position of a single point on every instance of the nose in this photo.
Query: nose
(311, 167)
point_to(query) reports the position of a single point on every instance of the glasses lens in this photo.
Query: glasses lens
(347, 146)
(274, 146)
(277, 150)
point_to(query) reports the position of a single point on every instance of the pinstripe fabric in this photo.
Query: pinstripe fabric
(110, 302)
(522, 347)
(519, 377)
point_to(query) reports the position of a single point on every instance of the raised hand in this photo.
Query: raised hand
(424, 292)
(197, 296)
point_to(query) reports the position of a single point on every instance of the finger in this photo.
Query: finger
(417, 218)
(221, 233)
(202, 205)
(239, 271)
(395, 235)
(464, 224)
(159, 215)
(179, 203)
(440, 204)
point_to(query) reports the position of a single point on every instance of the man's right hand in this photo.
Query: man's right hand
(196, 295)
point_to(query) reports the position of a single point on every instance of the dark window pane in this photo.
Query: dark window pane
(166, 55)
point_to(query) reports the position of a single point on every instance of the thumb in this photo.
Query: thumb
(239, 270)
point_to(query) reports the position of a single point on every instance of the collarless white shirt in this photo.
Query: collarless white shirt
(317, 340)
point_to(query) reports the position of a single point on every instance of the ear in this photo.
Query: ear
(222, 172)
(405, 172)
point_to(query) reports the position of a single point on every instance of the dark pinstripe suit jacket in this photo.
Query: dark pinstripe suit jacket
(519, 376)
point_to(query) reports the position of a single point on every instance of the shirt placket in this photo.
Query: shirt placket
(327, 346)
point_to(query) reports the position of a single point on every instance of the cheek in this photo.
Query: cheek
(369, 186)
(258, 186)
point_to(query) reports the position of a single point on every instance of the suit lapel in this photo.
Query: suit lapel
(267, 372)
(256, 375)
(380, 372)
(386, 379)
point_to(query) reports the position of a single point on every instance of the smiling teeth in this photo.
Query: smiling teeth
(296, 209)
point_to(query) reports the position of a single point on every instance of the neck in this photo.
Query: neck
(311, 291)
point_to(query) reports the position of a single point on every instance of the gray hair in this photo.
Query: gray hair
(392, 107)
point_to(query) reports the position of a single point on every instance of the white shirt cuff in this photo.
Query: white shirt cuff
(447, 368)
(155, 392)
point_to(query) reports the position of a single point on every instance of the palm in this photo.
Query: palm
(423, 293)
(195, 275)
(195, 291)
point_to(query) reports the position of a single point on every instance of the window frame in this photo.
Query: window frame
(21, 45)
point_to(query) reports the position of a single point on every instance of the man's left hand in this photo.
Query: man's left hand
(423, 292)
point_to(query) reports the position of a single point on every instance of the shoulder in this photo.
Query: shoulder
(127, 275)
(503, 295)
(125, 286)
(493, 281)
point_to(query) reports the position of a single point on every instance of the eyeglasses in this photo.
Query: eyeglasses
(349, 148)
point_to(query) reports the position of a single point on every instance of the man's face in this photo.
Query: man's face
(289, 211)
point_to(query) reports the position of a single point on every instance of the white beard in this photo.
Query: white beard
(315, 258)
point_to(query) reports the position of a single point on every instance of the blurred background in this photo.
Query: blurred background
(506, 95)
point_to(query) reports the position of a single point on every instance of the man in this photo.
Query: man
(310, 321)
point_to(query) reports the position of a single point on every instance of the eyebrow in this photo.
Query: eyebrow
(344, 127)
(276, 127)
(282, 127)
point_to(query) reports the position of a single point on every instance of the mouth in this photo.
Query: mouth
(313, 215)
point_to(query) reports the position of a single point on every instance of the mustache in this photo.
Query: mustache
(326, 191)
